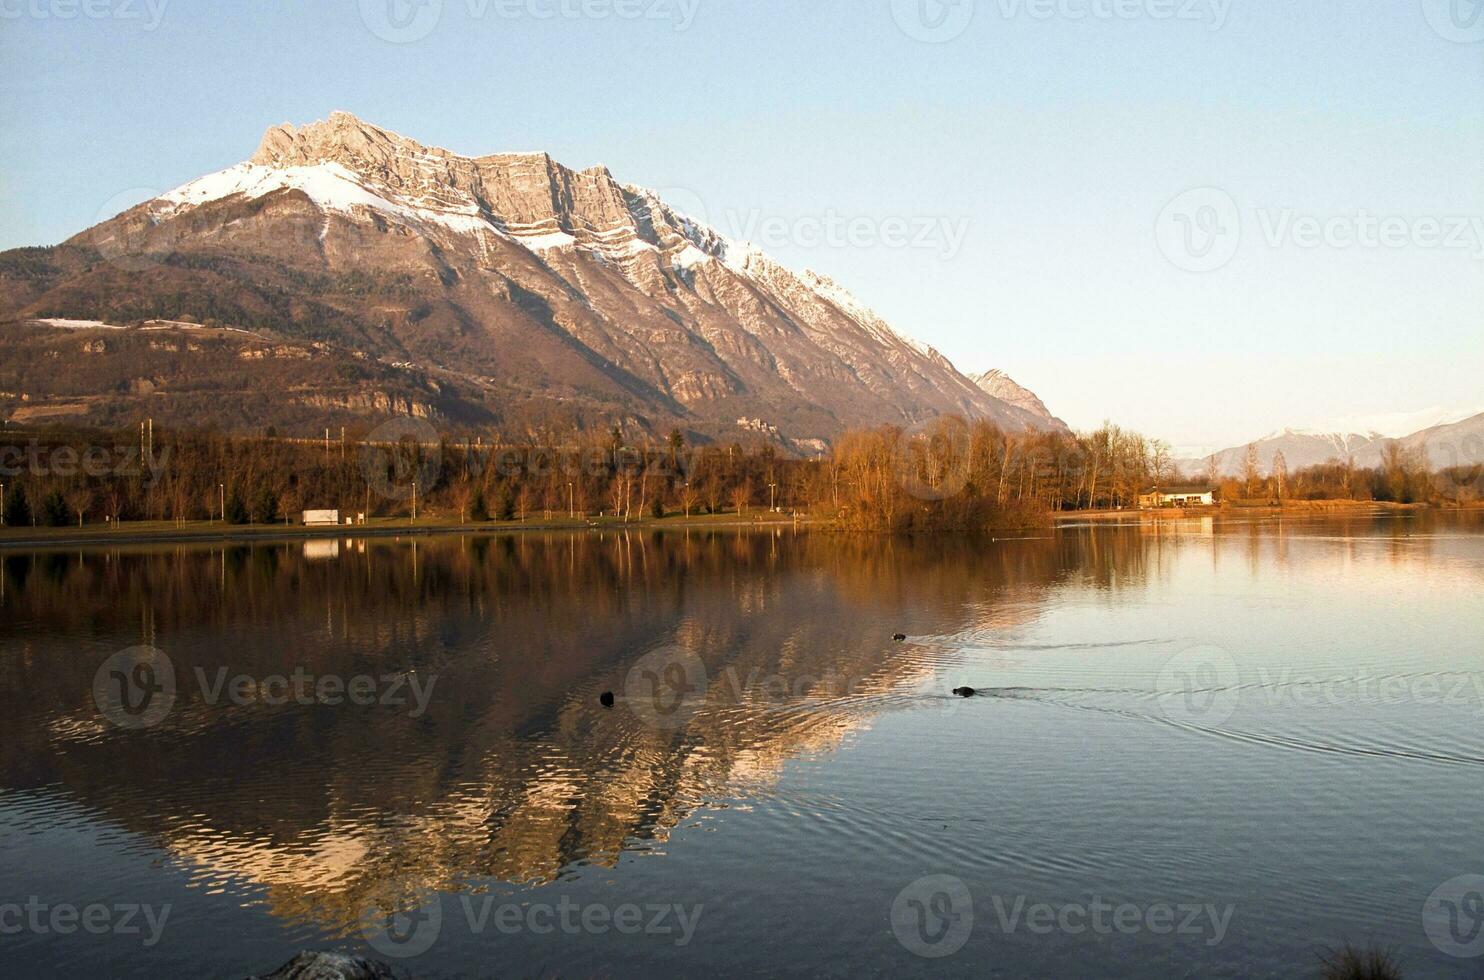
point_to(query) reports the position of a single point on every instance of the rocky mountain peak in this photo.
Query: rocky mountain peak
(561, 294)
(1003, 387)
(341, 137)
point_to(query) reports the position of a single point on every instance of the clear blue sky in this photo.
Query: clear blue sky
(1051, 135)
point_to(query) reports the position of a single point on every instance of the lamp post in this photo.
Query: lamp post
(685, 498)
(2, 504)
(414, 501)
(571, 507)
(771, 488)
(221, 496)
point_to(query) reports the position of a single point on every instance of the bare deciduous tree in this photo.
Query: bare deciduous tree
(79, 500)
(741, 496)
(461, 492)
(1250, 472)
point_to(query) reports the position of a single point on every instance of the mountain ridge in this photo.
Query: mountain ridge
(1448, 444)
(560, 297)
(1002, 386)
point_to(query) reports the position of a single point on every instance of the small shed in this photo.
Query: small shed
(321, 518)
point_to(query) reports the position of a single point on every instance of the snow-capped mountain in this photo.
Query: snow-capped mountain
(1397, 425)
(1459, 442)
(1299, 447)
(525, 295)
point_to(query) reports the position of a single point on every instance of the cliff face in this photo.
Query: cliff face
(562, 297)
(999, 384)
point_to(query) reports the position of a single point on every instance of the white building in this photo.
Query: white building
(1190, 496)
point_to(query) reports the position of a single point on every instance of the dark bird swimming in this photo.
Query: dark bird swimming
(606, 699)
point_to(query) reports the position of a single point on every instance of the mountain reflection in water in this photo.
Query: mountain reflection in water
(513, 771)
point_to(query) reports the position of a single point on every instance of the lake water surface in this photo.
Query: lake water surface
(1201, 748)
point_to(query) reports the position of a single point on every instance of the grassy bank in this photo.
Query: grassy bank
(127, 532)
(1241, 508)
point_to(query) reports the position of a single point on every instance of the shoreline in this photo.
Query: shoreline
(166, 532)
(1256, 510)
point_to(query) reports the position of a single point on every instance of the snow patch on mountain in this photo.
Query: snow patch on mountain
(1341, 442)
(1394, 425)
(331, 186)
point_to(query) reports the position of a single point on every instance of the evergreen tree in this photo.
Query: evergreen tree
(17, 508)
(265, 508)
(479, 510)
(54, 510)
(236, 509)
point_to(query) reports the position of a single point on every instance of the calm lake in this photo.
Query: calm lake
(1204, 748)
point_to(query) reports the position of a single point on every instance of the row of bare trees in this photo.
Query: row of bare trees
(1403, 476)
(192, 476)
(943, 474)
(953, 474)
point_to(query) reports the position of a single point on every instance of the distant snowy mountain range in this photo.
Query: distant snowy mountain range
(1448, 437)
